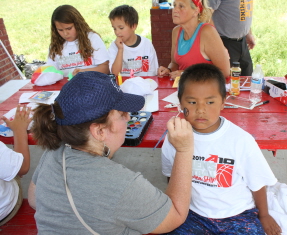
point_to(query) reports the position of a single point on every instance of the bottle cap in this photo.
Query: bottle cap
(236, 64)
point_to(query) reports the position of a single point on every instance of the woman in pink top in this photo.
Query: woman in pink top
(193, 40)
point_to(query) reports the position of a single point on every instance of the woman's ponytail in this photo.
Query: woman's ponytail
(206, 14)
(44, 127)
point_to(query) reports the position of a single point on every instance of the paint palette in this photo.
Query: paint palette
(137, 127)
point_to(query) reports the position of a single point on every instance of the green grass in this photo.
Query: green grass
(270, 29)
(28, 26)
(28, 22)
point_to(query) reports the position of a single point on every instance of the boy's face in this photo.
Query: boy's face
(123, 31)
(204, 103)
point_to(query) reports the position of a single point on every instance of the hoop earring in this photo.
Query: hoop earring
(52, 113)
(106, 151)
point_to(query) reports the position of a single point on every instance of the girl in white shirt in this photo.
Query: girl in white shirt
(74, 46)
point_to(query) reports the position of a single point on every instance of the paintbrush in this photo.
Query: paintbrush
(163, 135)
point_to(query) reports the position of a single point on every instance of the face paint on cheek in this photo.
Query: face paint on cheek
(185, 112)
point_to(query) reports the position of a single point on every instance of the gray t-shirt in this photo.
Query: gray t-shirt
(232, 18)
(109, 197)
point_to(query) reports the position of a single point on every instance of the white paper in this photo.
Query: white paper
(242, 87)
(33, 105)
(240, 102)
(24, 98)
(6, 131)
(151, 102)
(172, 98)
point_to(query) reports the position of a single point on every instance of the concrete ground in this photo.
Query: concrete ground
(148, 162)
(144, 160)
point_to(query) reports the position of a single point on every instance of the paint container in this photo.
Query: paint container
(137, 127)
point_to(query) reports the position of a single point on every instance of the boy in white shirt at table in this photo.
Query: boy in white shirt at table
(229, 170)
(14, 164)
(129, 50)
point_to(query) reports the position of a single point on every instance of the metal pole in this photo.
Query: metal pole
(19, 71)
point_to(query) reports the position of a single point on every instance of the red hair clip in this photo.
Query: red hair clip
(198, 3)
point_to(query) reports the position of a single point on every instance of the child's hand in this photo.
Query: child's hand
(270, 226)
(173, 75)
(119, 43)
(163, 71)
(21, 120)
(180, 134)
(75, 71)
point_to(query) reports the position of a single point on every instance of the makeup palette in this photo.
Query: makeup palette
(137, 127)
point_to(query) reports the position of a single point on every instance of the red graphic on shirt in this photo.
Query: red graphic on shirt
(145, 64)
(88, 61)
(224, 170)
(224, 175)
(212, 158)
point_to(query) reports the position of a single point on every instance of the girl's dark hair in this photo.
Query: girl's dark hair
(70, 15)
(199, 73)
(50, 135)
(128, 13)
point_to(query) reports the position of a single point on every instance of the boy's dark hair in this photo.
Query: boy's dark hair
(202, 73)
(128, 13)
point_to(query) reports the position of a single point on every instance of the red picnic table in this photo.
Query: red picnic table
(267, 123)
(163, 82)
(274, 106)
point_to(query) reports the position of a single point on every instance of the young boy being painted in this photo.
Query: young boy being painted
(229, 170)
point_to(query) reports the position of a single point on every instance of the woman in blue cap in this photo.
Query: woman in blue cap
(78, 189)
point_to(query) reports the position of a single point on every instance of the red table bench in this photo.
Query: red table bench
(23, 223)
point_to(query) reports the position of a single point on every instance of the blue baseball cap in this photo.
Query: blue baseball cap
(90, 95)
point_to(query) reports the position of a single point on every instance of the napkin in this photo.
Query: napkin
(139, 86)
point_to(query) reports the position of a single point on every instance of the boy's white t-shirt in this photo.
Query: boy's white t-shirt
(142, 58)
(227, 164)
(71, 57)
(10, 164)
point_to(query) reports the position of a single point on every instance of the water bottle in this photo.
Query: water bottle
(155, 4)
(256, 84)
